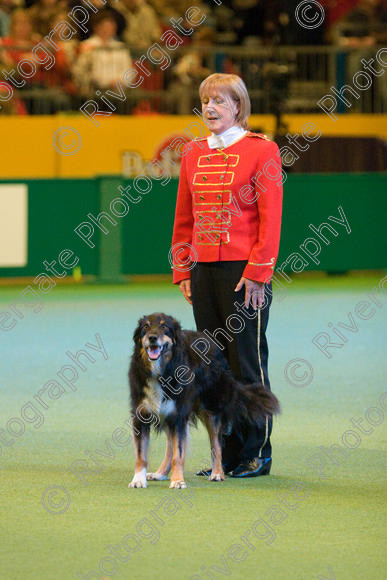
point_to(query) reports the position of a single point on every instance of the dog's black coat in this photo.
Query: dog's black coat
(213, 388)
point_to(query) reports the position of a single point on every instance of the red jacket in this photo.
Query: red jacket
(229, 206)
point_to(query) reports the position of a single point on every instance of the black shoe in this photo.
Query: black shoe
(253, 468)
(208, 470)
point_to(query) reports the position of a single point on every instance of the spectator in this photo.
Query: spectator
(360, 27)
(225, 24)
(166, 9)
(69, 47)
(42, 14)
(190, 70)
(5, 16)
(59, 77)
(107, 5)
(103, 59)
(47, 91)
(15, 105)
(21, 37)
(282, 28)
(142, 25)
(18, 46)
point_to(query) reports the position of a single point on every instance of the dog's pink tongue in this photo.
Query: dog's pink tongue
(154, 353)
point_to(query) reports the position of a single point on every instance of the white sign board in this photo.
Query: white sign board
(13, 225)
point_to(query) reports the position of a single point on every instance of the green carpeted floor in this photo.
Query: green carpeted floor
(330, 526)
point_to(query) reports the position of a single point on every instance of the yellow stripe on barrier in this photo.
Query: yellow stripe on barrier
(27, 150)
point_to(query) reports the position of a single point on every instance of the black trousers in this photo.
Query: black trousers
(220, 311)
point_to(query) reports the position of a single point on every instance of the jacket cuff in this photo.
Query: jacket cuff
(179, 275)
(262, 272)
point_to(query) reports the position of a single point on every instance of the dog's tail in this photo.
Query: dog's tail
(251, 402)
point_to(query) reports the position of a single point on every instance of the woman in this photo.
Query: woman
(21, 39)
(103, 59)
(16, 47)
(227, 228)
(43, 12)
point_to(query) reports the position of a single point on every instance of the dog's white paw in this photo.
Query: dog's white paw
(137, 484)
(178, 484)
(217, 477)
(156, 476)
(139, 479)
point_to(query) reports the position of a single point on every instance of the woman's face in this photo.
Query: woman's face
(220, 111)
(106, 29)
(22, 28)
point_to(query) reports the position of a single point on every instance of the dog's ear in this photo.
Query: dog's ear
(177, 336)
(137, 332)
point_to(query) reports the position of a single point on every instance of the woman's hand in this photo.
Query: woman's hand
(254, 292)
(185, 288)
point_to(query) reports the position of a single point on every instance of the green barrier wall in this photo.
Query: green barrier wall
(140, 241)
(55, 208)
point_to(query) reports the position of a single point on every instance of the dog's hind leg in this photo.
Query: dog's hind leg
(141, 444)
(213, 427)
(179, 437)
(165, 467)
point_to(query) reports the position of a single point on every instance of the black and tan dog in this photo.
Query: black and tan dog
(169, 379)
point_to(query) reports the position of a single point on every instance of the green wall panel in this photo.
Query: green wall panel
(311, 198)
(142, 239)
(308, 199)
(55, 208)
(148, 231)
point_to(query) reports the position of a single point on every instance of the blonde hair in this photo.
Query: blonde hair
(235, 87)
(17, 15)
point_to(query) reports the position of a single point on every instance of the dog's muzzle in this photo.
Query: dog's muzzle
(154, 351)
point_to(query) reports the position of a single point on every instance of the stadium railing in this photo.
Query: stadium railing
(280, 79)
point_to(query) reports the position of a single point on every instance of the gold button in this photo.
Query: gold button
(218, 196)
(225, 157)
(222, 177)
(217, 216)
(204, 178)
(217, 236)
(200, 216)
(201, 196)
(208, 159)
(200, 237)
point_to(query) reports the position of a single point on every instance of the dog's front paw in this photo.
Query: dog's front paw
(139, 479)
(217, 477)
(137, 484)
(179, 484)
(156, 476)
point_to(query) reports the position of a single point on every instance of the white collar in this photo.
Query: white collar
(226, 138)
